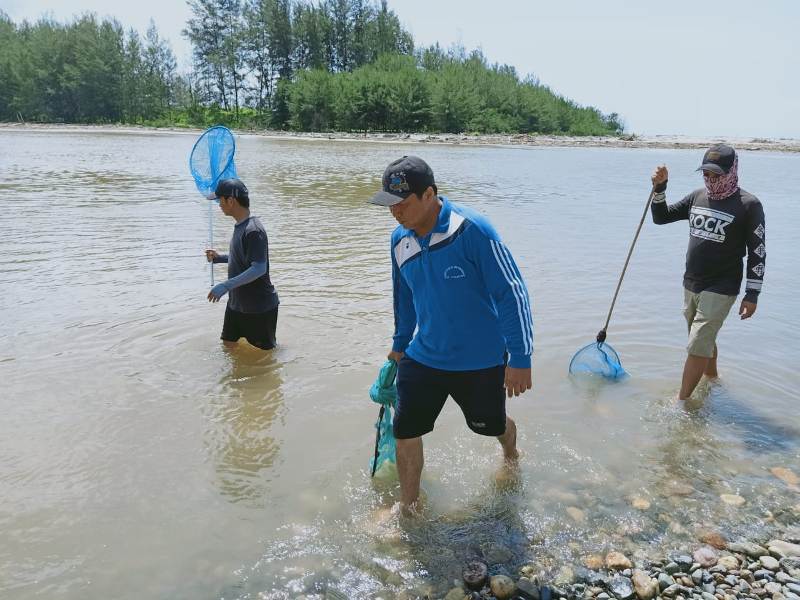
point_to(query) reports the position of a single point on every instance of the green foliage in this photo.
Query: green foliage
(83, 72)
(306, 65)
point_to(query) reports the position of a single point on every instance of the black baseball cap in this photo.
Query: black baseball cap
(231, 188)
(718, 159)
(403, 177)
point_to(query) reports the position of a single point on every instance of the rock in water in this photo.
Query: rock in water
(475, 574)
(527, 588)
(729, 562)
(713, 539)
(664, 581)
(617, 561)
(502, 587)
(576, 514)
(769, 562)
(705, 557)
(621, 587)
(732, 499)
(785, 475)
(593, 562)
(646, 587)
(456, 594)
(750, 549)
(783, 549)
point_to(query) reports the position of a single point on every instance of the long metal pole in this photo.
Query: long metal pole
(601, 336)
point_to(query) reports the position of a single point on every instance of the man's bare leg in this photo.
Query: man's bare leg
(711, 369)
(410, 460)
(509, 441)
(692, 372)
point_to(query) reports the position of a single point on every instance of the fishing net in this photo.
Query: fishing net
(211, 159)
(383, 464)
(597, 358)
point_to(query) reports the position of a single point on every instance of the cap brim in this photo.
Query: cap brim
(711, 167)
(385, 199)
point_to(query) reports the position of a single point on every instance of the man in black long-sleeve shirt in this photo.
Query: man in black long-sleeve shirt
(725, 223)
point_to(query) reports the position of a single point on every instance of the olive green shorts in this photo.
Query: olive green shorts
(705, 313)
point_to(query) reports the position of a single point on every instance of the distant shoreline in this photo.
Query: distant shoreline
(624, 141)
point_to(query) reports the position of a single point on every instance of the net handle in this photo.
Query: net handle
(601, 335)
(377, 440)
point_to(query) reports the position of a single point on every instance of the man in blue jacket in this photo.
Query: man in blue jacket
(456, 285)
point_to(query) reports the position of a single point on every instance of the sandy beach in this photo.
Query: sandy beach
(624, 141)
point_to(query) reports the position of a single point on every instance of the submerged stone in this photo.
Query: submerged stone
(475, 574)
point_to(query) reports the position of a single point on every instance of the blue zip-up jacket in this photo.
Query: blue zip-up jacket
(460, 289)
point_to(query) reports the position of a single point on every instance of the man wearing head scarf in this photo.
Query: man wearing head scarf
(725, 223)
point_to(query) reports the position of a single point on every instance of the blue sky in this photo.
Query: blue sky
(713, 69)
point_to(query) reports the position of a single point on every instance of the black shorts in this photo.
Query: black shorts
(422, 392)
(256, 328)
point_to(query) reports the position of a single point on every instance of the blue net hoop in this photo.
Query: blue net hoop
(597, 358)
(211, 159)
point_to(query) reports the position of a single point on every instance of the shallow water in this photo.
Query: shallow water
(138, 459)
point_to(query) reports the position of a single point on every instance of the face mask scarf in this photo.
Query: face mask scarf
(724, 185)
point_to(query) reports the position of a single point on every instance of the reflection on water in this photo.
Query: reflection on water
(139, 459)
(239, 437)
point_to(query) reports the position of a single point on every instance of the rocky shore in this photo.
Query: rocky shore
(717, 570)
(624, 141)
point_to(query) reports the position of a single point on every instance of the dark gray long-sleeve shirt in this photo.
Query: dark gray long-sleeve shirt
(721, 232)
(249, 245)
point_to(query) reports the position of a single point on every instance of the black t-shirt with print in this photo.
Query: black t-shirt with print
(721, 232)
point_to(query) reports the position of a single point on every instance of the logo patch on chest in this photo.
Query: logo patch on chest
(709, 224)
(454, 272)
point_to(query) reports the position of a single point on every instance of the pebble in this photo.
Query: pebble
(621, 587)
(793, 587)
(618, 561)
(664, 581)
(786, 475)
(732, 499)
(706, 557)
(645, 586)
(713, 539)
(502, 587)
(456, 593)
(784, 578)
(768, 562)
(749, 548)
(672, 568)
(683, 561)
(576, 514)
(773, 587)
(790, 564)
(593, 562)
(528, 588)
(783, 549)
(729, 562)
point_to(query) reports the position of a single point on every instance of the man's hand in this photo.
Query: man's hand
(217, 292)
(395, 356)
(660, 175)
(211, 255)
(517, 381)
(747, 309)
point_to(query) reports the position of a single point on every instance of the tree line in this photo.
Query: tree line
(345, 65)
